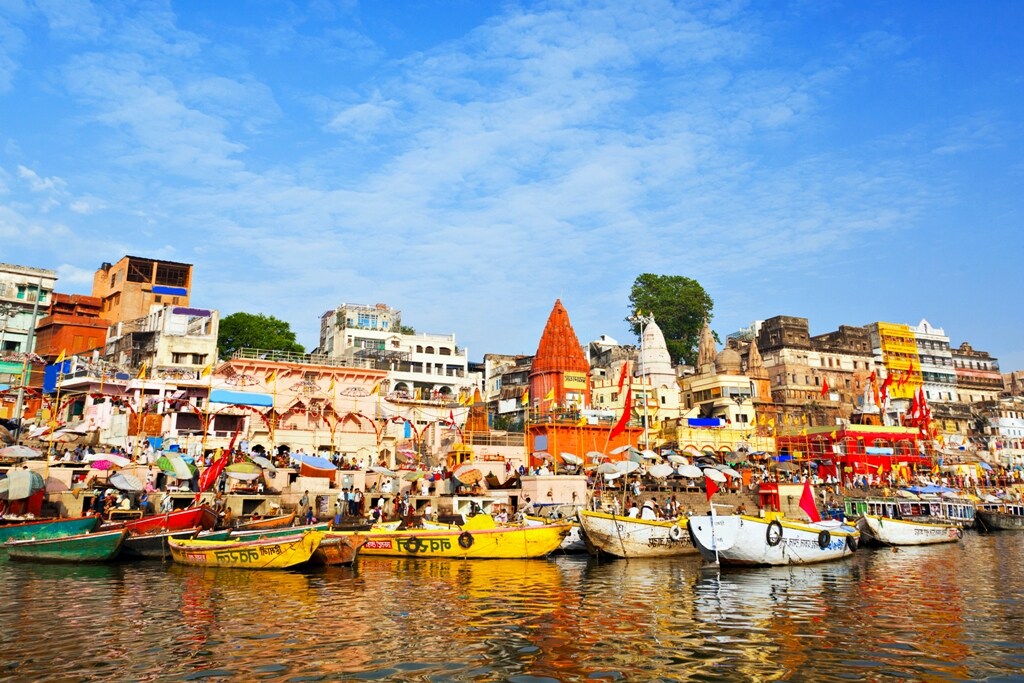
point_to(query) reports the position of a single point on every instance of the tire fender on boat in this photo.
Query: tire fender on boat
(959, 533)
(675, 533)
(466, 540)
(773, 535)
(824, 538)
(851, 543)
(412, 544)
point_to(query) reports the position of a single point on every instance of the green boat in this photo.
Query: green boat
(98, 547)
(277, 533)
(49, 528)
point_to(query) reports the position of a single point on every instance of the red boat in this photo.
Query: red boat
(178, 520)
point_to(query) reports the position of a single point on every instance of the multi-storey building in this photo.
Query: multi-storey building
(977, 375)
(172, 342)
(506, 378)
(73, 324)
(420, 366)
(937, 372)
(895, 350)
(21, 289)
(1013, 383)
(844, 361)
(132, 287)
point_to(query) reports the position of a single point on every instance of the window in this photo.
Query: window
(172, 274)
(158, 298)
(140, 270)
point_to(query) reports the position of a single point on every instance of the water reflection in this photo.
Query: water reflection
(949, 612)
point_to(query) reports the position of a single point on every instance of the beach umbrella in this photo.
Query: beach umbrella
(596, 455)
(125, 482)
(243, 476)
(244, 468)
(677, 459)
(383, 470)
(689, 471)
(661, 470)
(714, 475)
(570, 458)
(468, 476)
(621, 449)
(541, 455)
(691, 450)
(263, 462)
(102, 465)
(413, 476)
(606, 468)
(173, 465)
(730, 472)
(648, 454)
(612, 475)
(20, 452)
(113, 458)
(19, 484)
(626, 466)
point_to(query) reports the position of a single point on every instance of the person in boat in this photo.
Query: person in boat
(741, 510)
(649, 510)
(633, 510)
(166, 503)
(428, 511)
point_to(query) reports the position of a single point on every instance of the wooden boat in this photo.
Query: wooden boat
(338, 548)
(252, 534)
(478, 538)
(266, 523)
(100, 546)
(1001, 516)
(50, 528)
(268, 553)
(177, 520)
(771, 540)
(889, 531)
(213, 535)
(619, 536)
(954, 510)
(153, 546)
(573, 541)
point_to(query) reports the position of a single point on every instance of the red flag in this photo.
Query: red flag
(210, 474)
(622, 375)
(912, 411)
(807, 502)
(711, 487)
(620, 426)
(824, 387)
(451, 416)
(885, 386)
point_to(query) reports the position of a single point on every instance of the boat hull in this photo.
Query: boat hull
(498, 543)
(629, 537)
(153, 546)
(178, 520)
(271, 553)
(49, 528)
(888, 531)
(573, 541)
(756, 541)
(278, 522)
(101, 546)
(338, 548)
(1000, 521)
(252, 534)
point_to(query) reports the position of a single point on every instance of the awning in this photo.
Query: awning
(241, 398)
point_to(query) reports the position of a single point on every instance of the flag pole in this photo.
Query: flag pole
(139, 413)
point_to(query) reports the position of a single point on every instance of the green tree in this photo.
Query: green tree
(255, 331)
(679, 305)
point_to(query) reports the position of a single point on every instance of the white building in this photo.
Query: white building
(21, 287)
(937, 370)
(420, 366)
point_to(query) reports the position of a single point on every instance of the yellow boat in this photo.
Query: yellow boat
(479, 538)
(267, 553)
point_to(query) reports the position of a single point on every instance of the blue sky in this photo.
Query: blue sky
(470, 162)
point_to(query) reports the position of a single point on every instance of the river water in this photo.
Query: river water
(951, 612)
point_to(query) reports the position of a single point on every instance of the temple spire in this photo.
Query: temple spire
(707, 351)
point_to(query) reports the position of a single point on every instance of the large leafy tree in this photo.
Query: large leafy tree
(255, 331)
(679, 305)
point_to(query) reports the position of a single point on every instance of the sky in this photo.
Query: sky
(470, 162)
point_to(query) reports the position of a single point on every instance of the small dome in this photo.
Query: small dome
(728, 361)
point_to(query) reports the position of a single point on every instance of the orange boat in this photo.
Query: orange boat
(267, 523)
(338, 549)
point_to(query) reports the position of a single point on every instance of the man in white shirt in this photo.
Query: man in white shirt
(633, 511)
(649, 510)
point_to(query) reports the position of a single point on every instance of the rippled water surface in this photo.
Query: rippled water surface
(953, 612)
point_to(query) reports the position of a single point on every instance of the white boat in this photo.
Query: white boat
(889, 531)
(771, 540)
(558, 512)
(631, 537)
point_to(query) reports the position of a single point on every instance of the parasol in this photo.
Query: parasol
(413, 476)
(692, 450)
(648, 454)
(383, 470)
(677, 459)
(541, 455)
(661, 470)
(244, 468)
(468, 475)
(714, 475)
(626, 466)
(596, 455)
(243, 476)
(690, 471)
(125, 482)
(263, 462)
(102, 465)
(729, 472)
(20, 452)
(606, 468)
(621, 449)
(113, 458)
(570, 458)
(20, 484)
(172, 464)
